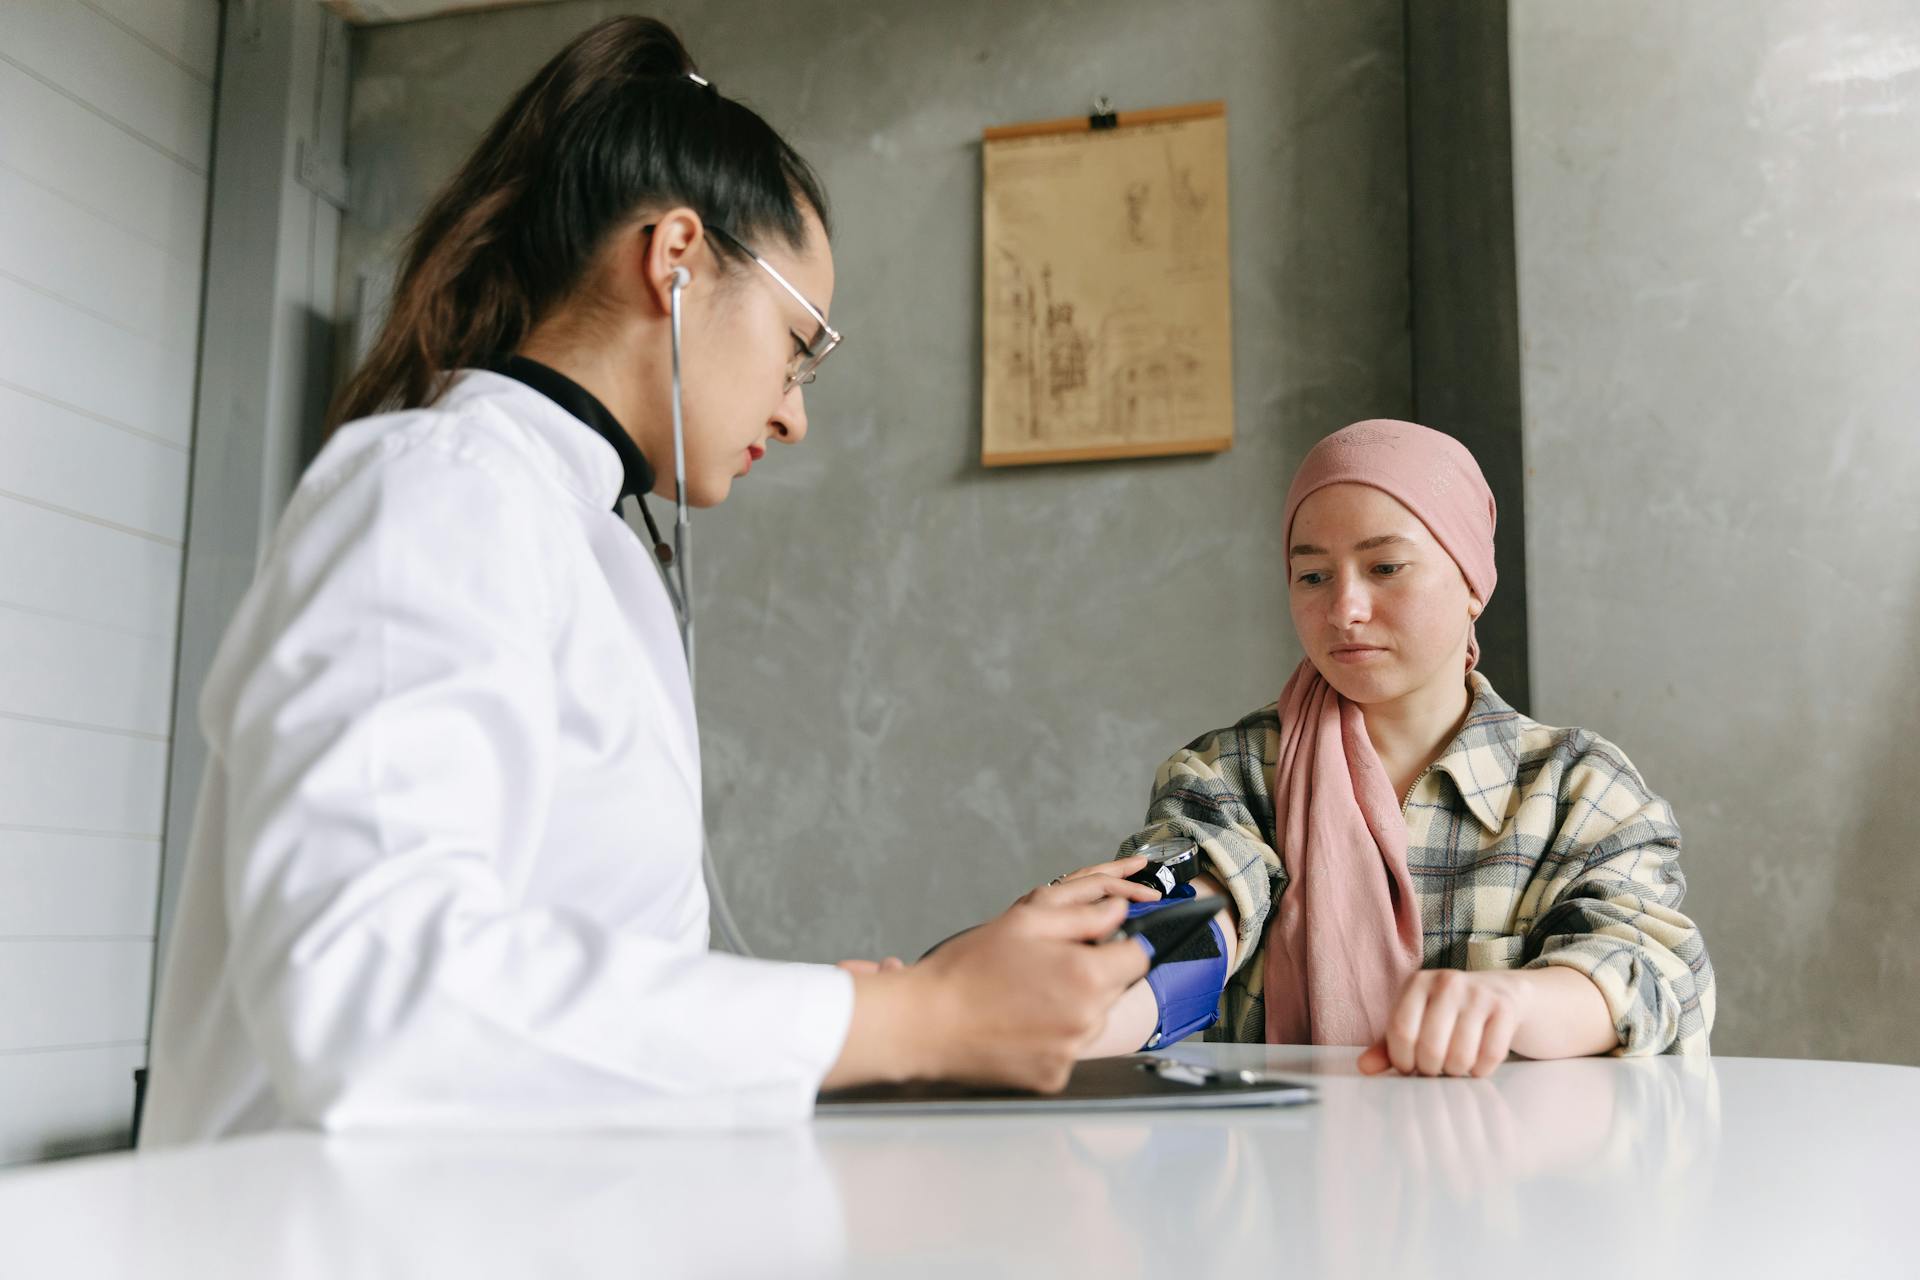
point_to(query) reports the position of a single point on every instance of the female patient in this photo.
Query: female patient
(1414, 866)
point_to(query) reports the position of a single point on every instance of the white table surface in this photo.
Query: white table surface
(1737, 1167)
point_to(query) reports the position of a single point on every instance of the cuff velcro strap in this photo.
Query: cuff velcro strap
(1186, 985)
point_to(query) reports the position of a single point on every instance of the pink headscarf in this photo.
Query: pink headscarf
(1345, 936)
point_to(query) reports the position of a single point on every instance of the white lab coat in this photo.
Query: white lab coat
(446, 861)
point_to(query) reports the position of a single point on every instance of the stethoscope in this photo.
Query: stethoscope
(674, 572)
(673, 560)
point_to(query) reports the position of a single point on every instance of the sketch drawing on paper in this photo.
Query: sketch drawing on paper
(1107, 314)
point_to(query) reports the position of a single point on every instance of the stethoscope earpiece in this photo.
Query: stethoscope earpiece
(676, 561)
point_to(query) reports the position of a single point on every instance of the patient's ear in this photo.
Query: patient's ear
(1474, 607)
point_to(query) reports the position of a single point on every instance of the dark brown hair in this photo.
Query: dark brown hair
(611, 126)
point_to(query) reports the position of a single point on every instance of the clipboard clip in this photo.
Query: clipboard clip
(1174, 1071)
(1179, 1072)
(1103, 115)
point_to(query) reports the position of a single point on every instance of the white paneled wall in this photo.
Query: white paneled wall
(106, 121)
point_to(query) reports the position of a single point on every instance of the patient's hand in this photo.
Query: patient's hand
(1446, 1022)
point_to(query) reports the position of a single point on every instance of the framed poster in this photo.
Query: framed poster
(1107, 310)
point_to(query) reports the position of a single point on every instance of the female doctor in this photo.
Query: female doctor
(446, 868)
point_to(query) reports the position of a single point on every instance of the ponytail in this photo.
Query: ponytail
(616, 123)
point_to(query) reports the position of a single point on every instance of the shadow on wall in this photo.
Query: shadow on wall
(88, 1142)
(1867, 945)
(327, 343)
(61, 1144)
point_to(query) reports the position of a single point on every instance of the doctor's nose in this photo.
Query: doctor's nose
(789, 421)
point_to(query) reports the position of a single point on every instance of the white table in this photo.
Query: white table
(1740, 1167)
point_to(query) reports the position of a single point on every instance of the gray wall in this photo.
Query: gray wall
(1720, 305)
(926, 687)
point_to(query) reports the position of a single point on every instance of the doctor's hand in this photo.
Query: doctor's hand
(1008, 1003)
(1024, 993)
(1090, 884)
(892, 964)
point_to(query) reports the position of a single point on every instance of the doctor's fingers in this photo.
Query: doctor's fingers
(1073, 987)
(1091, 921)
(1073, 887)
(1118, 965)
(1117, 867)
(892, 964)
(1092, 889)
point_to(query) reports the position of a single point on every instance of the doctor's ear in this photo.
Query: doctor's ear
(665, 247)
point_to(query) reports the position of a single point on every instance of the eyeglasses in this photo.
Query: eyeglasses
(805, 363)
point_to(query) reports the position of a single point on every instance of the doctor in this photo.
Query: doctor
(446, 863)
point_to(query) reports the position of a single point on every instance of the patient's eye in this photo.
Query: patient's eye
(1311, 578)
(1389, 570)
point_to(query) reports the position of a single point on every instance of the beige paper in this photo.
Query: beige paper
(1107, 314)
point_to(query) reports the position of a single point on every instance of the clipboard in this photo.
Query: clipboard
(1133, 1082)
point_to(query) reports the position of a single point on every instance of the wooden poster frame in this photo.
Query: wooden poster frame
(1083, 124)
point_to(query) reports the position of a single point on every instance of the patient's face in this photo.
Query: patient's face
(1379, 605)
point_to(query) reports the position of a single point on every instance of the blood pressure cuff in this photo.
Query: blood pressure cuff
(1187, 982)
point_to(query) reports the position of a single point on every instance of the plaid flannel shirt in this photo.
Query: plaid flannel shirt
(1527, 845)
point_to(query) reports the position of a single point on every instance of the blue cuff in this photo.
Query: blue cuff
(1186, 992)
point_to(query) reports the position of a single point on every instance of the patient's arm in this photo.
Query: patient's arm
(1131, 1020)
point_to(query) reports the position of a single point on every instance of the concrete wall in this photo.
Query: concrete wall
(926, 687)
(1720, 316)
